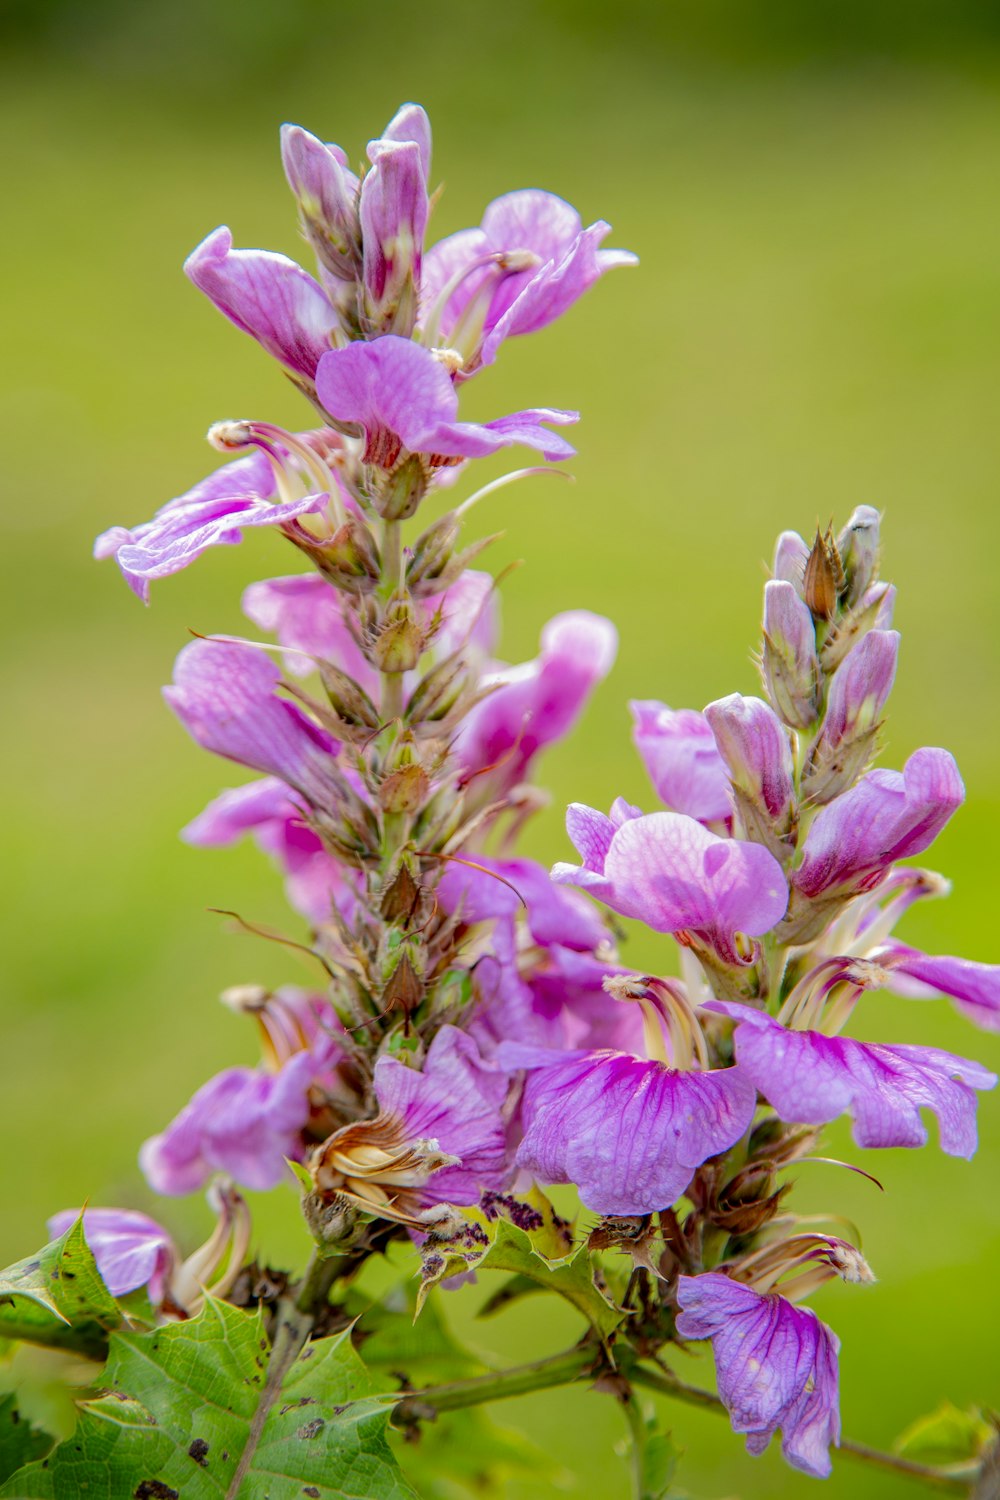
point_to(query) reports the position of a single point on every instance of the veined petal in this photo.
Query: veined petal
(809, 1078)
(628, 1132)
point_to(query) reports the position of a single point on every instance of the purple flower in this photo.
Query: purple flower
(224, 696)
(315, 882)
(552, 997)
(403, 397)
(791, 553)
(887, 815)
(534, 704)
(776, 1366)
(974, 987)
(629, 1132)
(245, 1121)
(676, 876)
(131, 1250)
(269, 297)
(439, 1136)
(754, 747)
(527, 264)
(679, 751)
(810, 1079)
(214, 513)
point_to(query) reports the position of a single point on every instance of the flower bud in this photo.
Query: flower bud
(790, 557)
(393, 210)
(438, 691)
(858, 545)
(858, 693)
(326, 194)
(349, 558)
(402, 490)
(405, 788)
(873, 611)
(755, 747)
(823, 581)
(789, 664)
(348, 699)
(432, 552)
(400, 640)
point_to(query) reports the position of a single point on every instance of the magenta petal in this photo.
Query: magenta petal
(455, 1101)
(224, 695)
(810, 1079)
(974, 987)
(267, 296)
(214, 513)
(675, 875)
(629, 1133)
(538, 702)
(242, 1121)
(887, 815)
(678, 749)
(131, 1249)
(776, 1366)
(395, 387)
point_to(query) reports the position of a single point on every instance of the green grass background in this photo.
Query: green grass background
(816, 323)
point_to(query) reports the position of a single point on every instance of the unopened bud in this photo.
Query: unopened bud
(437, 692)
(858, 545)
(326, 193)
(407, 785)
(873, 611)
(393, 210)
(755, 747)
(858, 694)
(790, 557)
(404, 989)
(348, 699)
(432, 550)
(349, 558)
(400, 896)
(399, 643)
(789, 663)
(402, 490)
(823, 581)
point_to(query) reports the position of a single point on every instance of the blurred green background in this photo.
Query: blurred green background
(816, 323)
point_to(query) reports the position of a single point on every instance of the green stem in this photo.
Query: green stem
(295, 1317)
(579, 1364)
(558, 1369)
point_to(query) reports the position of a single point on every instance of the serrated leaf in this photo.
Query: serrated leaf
(194, 1412)
(57, 1297)
(946, 1435)
(20, 1443)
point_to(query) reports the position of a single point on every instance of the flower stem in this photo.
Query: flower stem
(557, 1369)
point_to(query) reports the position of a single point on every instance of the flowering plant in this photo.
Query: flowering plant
(473, 1036)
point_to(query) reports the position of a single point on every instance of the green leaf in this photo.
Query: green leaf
(57, 1297)
(497, 1244)
(196, 1413)
(572, 1278)
(659, 1465)
(947, 1435)
(20, 1443)
(426, 1350)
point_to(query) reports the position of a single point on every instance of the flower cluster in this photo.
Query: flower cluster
(478, 1029)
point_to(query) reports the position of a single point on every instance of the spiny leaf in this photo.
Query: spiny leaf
(57, 1297)
(194, 1414)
